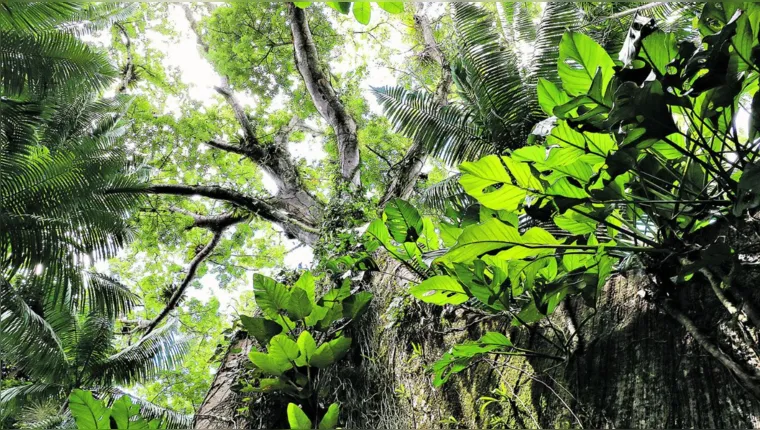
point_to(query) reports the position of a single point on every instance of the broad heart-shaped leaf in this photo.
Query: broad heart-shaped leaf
(297, 419)
(329, 353)
(306, 282)
(392, 7)
(307, 347)
(362, 11)
(270, 295)
(341, 6)
(330, 420)
(260, 328)
(440, 290)
(283, 349)
(356, 304)
(488, 171)
(579, 58)
(127, 415)
(88, 412)
(549, 96)
(299, 306)
(269, 364)
(403, 220)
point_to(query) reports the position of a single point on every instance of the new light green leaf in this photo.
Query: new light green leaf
(440, 290)
(488, 171)
(392, 7)
(297, 419)
(362, 11)
(480, 239)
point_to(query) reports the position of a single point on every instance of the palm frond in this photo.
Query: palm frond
(446, 132)
(160, 350)
(35, 64)
(105, 295)
(94, 343)
(492, 75)
(14, 398)
(97, 16)
(35, 16)
(29, 339)
(557, 18)
(448, 190)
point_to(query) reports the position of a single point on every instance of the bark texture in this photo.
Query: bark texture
(219, 407)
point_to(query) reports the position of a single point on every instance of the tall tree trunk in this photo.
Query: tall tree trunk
(629, 365)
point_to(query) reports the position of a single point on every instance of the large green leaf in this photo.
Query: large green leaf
(341, 6)
(89, 413)
(329, 353)
(549, 96)
(440, 290)
(297, 419)
(579, 58)
(283, 349)
(403, 220)
(306, 282)
(392, 7)
(362, 11)
(493, 235)
(271, 296)
(478, 176)
(127, 415)
(299, 306)
(356, 304)
(261, 328)
(268, 364)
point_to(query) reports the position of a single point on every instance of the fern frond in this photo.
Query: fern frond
(160, 350)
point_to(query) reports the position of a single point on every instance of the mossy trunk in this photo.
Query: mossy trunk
(628, 365)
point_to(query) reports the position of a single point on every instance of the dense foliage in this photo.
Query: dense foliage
(224, 249)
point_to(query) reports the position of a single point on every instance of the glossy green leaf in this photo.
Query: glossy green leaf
(341, 6)
(403, 220)
(355, 305)
(549, 96)
(269, 364)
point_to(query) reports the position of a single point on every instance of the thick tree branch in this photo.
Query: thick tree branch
(324, 97)
(264, 209)
(405, 177)
(129, 69)
(274, 159)
(180, 291)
